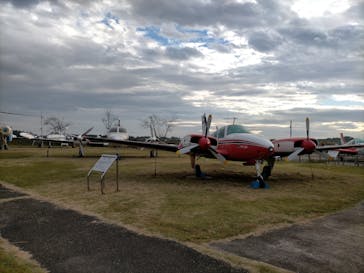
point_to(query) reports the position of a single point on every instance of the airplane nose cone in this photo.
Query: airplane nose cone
(204, 143)
(308, 145)
(269, 149)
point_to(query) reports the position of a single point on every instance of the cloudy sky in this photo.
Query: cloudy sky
(265, 62)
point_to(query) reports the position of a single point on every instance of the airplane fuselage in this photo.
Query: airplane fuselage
(244, 147)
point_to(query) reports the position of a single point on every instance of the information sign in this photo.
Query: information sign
(102, 165)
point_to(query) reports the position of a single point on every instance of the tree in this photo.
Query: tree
(56, 125)
(158, 126)
(109, 119)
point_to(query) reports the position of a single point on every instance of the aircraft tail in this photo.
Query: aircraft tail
(342, 139)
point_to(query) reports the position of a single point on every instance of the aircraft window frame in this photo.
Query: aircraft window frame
(236, 129)
(221, 132)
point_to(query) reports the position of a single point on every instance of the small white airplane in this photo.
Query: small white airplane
(117, 133)
(58, 137)
(74, 140)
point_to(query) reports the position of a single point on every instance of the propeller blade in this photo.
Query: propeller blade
(81, 151)
(89, 130)
(204, 124)
(294, 155)
(308, 127)
(217, 155)
(187, 149)
(208, 124)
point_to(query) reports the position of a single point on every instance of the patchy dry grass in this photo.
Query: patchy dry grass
(174, 203)
(13, 260)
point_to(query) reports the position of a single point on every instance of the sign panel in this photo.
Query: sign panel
(104, 163)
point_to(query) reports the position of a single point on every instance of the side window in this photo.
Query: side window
(221, 132)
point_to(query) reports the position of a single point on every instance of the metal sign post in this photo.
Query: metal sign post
(102, 165)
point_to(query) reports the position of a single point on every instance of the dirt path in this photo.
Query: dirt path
(64, 241)
(331, 244)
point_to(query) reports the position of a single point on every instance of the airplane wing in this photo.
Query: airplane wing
(351, 151)
(158, 146)
(336, 147)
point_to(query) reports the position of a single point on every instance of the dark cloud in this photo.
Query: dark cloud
(182, 53)
(264, 42)
(192, 13)
(21, 3)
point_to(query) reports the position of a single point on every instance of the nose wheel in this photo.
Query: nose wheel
(260, 183)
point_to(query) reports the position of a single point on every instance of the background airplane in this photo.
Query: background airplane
(117, 132)
(345, 150)
(74, 140)
(293, 147)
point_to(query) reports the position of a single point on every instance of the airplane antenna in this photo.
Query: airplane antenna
(234, 119)
(308, 127)
(41, 124)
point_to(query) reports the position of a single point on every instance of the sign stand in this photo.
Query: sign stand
(102, 165)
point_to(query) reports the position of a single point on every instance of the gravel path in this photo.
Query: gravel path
(330, 244)
(65, 241)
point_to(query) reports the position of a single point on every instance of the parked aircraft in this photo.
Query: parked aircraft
(295, 146)
(117, 133)
(74, 140)
(6, 135)
(348, 151)
(59, 137)
(232, 142)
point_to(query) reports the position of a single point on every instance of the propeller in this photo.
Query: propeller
(79, 139)
(295, 154)
(206, 123)
(307, 145)
(204, 143)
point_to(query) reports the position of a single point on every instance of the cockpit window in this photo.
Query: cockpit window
(236, 129)
(219, 133)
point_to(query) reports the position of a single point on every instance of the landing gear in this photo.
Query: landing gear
(198, 172)
(261, 176)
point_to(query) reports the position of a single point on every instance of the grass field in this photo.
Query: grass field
(175, 204)
(12, 260)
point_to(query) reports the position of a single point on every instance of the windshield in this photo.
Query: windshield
(236, 129)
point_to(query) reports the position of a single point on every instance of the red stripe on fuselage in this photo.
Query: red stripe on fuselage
(242, 151)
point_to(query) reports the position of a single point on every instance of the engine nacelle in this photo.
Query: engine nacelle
(6, 131)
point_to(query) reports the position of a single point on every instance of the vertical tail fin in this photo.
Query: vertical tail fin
(342, 139)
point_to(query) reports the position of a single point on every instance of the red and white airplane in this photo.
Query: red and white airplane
(348, 150)
(231, 142)
(296, 146)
